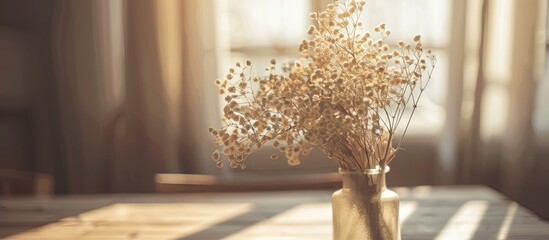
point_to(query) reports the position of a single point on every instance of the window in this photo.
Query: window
(263, 29)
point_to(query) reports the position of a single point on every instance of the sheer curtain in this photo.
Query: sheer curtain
(132, 96)
(501, 147)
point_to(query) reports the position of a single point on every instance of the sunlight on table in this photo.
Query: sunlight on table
(138, 221)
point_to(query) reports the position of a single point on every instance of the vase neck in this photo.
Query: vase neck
(367, 182)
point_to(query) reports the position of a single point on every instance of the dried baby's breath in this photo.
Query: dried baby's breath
(346, 95)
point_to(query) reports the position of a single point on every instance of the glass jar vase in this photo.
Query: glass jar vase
(364, 208)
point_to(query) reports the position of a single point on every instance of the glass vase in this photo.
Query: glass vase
(364, 208)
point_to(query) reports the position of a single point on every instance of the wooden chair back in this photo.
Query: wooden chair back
(14, 182)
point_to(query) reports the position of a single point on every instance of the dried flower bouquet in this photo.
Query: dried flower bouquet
(346, 95)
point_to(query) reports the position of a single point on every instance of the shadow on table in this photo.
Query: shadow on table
(241, 222)
(18, 216)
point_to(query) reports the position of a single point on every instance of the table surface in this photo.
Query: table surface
(452, 212)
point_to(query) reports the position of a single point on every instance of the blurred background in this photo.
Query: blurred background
(101, 96)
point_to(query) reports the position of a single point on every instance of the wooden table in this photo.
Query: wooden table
(426, 213)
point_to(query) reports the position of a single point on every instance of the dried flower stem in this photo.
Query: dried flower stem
(346, 96)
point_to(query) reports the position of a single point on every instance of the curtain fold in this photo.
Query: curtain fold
(79, 82)
(518, 138)
(200, 109)
(148, 142)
